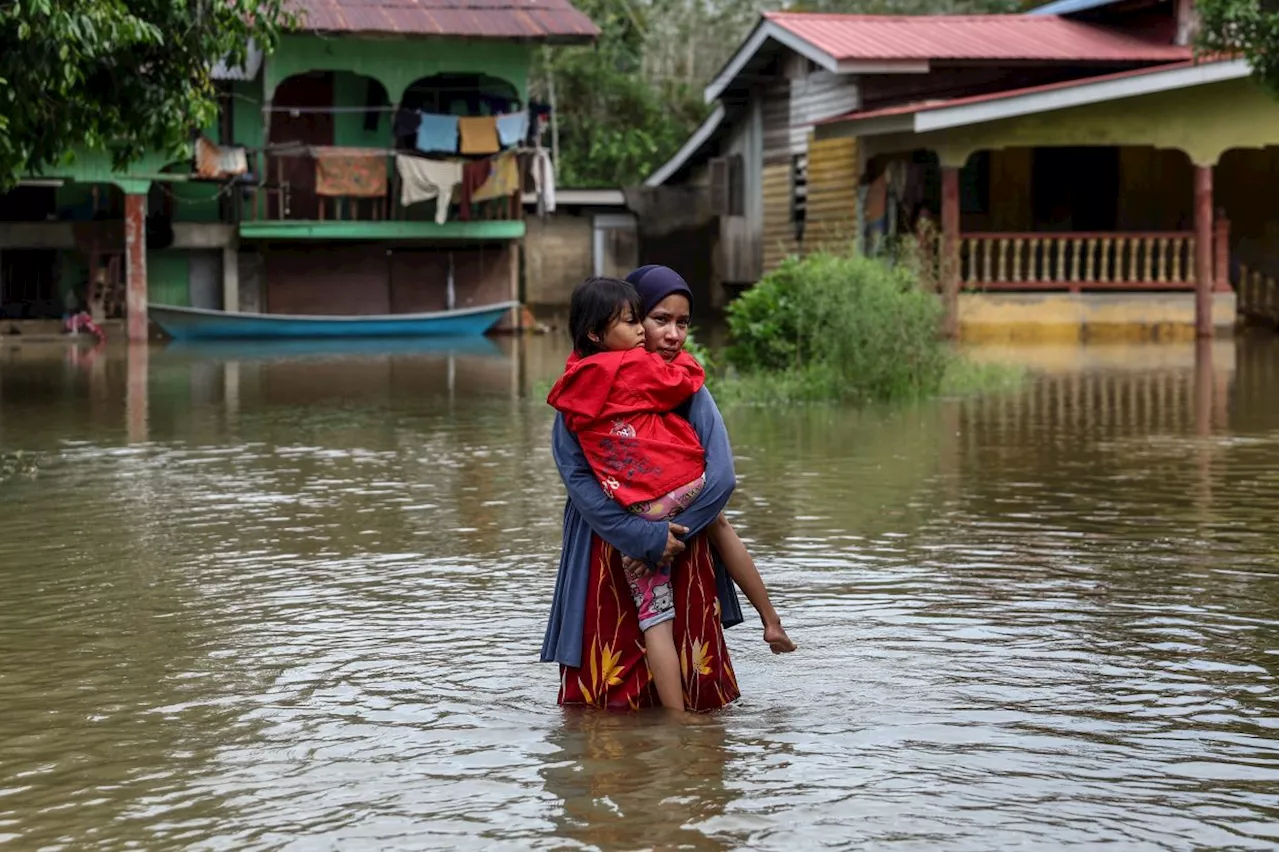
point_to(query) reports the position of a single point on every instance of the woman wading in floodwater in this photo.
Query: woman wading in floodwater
(593, 632)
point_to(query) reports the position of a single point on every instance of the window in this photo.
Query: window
(728, 185)
(799, 193)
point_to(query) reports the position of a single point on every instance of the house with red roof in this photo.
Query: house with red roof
(374, 163)
(1083, 170)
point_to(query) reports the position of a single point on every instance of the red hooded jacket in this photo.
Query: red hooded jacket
(620, 406)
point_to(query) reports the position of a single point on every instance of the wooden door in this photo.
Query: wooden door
(305, 92)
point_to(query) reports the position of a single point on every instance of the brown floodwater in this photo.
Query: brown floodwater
(259, 597)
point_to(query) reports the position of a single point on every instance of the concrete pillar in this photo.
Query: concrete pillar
(1204, 250)
(949, 262)
(135, 264)
(137, 390)
(230, 278)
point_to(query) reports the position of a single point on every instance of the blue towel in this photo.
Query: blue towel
(513, 128)
(438, 133)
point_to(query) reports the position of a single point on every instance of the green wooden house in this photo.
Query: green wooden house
(270, 239)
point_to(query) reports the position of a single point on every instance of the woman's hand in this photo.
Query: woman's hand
(636, 568)
(674, 545)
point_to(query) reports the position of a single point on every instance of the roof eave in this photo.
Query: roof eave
(1083, 94)
(926, 119)
(764, 31)
(560, 39)
(879, 125)
(1069, 7)
(699, 138)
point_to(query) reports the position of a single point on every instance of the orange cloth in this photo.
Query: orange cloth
(350, 172)
(478, 135)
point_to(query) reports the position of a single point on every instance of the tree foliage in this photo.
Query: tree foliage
(1243, 27)
(124, 76)
(626, 104)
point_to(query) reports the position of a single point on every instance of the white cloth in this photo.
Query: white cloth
(544, 179)
(423, 180)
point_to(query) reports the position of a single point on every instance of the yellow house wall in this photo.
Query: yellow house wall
(832, 200)
(1203, 121)
(779, 235)
(1064, 317)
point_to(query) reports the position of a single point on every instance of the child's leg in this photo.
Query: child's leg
(742, 570)
(664, 664)
(656, 609)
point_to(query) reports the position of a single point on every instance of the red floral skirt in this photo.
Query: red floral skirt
(614, 673)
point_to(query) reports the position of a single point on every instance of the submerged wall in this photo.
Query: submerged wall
(1064, 317)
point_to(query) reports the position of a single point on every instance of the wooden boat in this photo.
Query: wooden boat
(319, 348)
(204, 324)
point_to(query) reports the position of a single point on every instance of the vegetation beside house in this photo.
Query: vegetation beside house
(841, 326)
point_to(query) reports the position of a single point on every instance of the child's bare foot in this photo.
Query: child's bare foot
(779, 641)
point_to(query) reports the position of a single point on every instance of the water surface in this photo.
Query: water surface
(265, 598)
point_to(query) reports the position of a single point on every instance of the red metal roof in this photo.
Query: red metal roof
(539, 20)
(926, 106)
(980, 37)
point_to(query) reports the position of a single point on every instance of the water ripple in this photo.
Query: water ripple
(281, 622)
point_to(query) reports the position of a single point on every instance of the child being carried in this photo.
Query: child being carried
(620, 401)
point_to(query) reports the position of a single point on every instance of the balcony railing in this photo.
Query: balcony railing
(1257, 296)
(1079, 261)
(287, 193)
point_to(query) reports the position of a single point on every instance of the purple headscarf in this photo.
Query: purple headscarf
(655, 283)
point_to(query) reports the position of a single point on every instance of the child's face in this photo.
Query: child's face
(625, 332)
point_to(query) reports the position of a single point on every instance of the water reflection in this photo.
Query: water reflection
(626, 783)
(262, 598)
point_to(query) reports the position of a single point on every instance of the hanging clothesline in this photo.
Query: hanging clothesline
(291, 150)
(360, 109)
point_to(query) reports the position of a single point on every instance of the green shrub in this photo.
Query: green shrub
(838, 326)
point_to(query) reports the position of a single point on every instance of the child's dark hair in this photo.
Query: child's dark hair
(595, 304)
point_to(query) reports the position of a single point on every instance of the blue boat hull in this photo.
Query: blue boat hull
(201, 324)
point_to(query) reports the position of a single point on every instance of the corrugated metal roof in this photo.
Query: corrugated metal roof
(1070, 7)
(979, 37)
(917, 107)
(539, 20)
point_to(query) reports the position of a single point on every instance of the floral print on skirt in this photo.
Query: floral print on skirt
(614, 673)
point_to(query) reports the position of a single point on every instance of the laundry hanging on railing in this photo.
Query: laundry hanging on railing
(218, 161)
(502, 178)
(474, 175)
(437, 133)
(544, 179)
(350, 172)
(478, 135)
(875, 207)
(512, 129)
(423, 180)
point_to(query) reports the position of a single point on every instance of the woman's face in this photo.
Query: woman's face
(667, 325)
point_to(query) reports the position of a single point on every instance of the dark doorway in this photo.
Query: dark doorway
(28, 284)
(1074, 189)
(308, 93)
